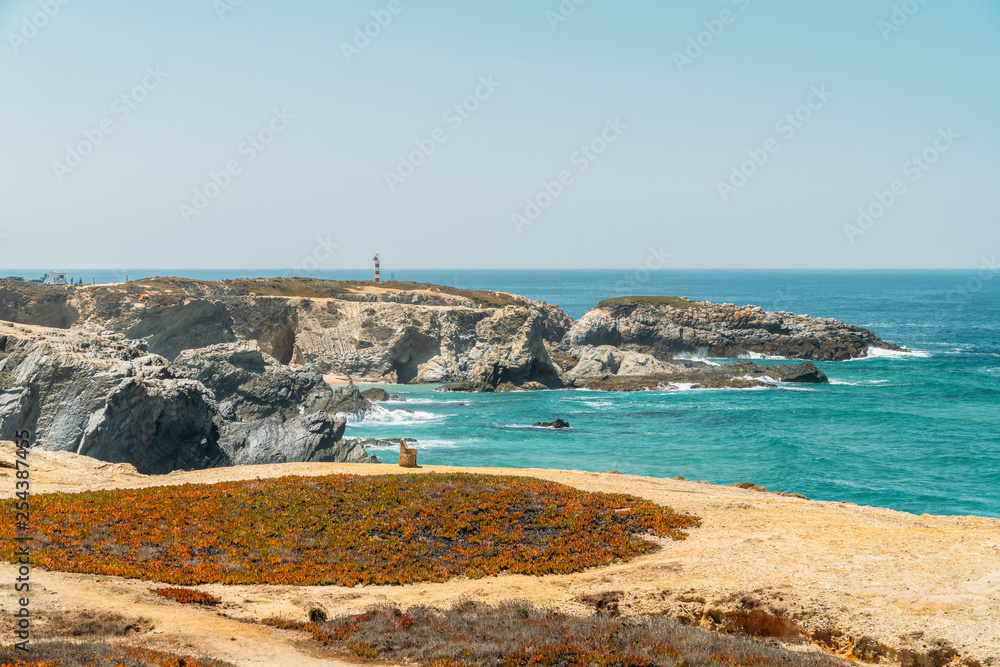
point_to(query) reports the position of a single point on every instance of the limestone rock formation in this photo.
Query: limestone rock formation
(665, 327)
(170, 329)
(238, 337)
(606, 359)
(403, 333)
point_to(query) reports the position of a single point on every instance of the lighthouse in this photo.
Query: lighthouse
(378, 277)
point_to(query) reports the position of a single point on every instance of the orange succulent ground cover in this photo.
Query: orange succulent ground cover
(188, 596)
(342, 529)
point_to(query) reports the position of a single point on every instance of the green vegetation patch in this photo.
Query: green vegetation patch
(675, 301)
(517, 634)
(343, 530)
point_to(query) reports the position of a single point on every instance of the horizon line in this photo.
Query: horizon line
(305, 274)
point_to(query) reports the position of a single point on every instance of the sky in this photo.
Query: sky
(523, 134)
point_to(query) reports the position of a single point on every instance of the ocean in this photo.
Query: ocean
(918, 433)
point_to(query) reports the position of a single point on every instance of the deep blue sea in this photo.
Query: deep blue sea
(919, 433)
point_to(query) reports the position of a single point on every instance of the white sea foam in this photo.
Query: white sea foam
(860, 383)
(701, 355)
(880, 353)
(419, 444)
(380, 415)
(765, 357)
(692, 386)
(424, 401)
(684, 386)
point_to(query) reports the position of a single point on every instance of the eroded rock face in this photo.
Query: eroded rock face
(604, 360)
(171, 329)
(253, 385)
(36, 304)
(418, 334)
(317, 437)
(667, 329)
(403, 343)
(511, 349)
(109, 400)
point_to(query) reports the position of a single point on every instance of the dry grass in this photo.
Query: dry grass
(517, 634)
(342, 529)
(93, 624)
(57, 641)
(71, 654)
(675, 301)
(306, 288)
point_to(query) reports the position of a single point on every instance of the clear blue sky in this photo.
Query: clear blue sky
(680, 132)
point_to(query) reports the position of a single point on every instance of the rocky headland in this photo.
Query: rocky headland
(667, 326)
(172, 374)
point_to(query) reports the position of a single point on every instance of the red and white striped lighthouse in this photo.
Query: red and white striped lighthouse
(378, 277)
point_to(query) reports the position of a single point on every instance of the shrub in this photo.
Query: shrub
(518, 634)
(342, 529)
(94, 624)
(188, 596)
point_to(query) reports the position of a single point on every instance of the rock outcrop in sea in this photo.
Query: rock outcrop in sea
(667, 326)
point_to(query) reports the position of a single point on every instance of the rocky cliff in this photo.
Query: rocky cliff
(397, 332)
(107, 397)
(667, 326)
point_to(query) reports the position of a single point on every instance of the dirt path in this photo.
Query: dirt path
(870, 583)
(180, 629)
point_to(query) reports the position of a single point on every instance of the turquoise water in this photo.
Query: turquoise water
(919, 434)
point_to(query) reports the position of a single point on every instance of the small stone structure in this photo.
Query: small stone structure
(407, 455)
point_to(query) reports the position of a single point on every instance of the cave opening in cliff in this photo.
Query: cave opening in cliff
(413, 349)
(284, 344)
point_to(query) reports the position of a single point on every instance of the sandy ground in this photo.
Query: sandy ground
(342, 380)
(862, 582)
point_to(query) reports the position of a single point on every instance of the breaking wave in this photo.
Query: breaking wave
(880, 353)
(700, 355)
(380, 415)
(419, 444)
(757, 356)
